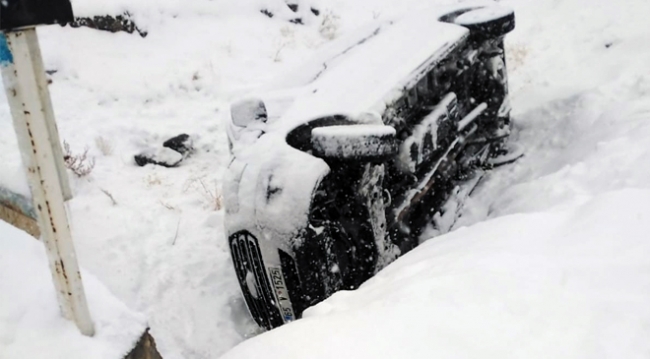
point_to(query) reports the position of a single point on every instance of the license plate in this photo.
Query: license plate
(282, 294)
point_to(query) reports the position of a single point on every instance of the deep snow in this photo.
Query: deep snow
(556, 269)
(570, 282)
(31, 325)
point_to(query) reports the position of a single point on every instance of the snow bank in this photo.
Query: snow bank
(568, 283)
(579, 87)
(31, 325)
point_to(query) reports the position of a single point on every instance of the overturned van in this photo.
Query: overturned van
(337, 169)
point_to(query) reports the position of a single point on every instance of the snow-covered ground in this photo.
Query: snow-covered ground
(557, 267)
(31, 325)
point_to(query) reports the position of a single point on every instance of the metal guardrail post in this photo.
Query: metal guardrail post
(27, 92)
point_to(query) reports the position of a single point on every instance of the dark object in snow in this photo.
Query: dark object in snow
(171, 154)
(294, 7)
(321, 197)
(145, 348)
(506, 156)
(608, 45)
(181, 144)
(21, 13)
(110, 23)
(49, 73)
(144, 159)
(160, 158)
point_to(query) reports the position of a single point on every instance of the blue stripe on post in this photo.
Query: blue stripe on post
(17, 202)
(6, 57)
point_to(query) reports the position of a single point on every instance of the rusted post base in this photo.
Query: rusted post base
(145, 348)
(19, 220)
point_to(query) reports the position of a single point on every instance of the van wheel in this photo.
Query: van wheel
(487, 22)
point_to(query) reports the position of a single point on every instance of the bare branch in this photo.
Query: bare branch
(109, 196)
(80, 165)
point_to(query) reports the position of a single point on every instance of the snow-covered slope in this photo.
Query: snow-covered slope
(580, 88)
(581, 100)
(571, 282)
(31, 325)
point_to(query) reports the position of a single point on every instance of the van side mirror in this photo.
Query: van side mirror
(248, 111)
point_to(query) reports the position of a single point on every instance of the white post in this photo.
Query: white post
(46, 103)
(27, 92)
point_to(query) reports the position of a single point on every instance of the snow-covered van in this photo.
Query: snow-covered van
(338, 167)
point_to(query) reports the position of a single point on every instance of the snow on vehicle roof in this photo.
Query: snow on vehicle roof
(361, 73)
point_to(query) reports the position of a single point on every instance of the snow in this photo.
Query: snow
(13, 177)
(257, 200)
(549, 264)
(572, 282)
(245, 111)
(366, 78)
(354, 131)
(31, 325)
(353, 141)
(163, 155)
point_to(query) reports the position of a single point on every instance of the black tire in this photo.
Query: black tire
(487, 22)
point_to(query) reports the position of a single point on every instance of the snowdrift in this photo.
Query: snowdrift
(31, 325)
(572, 282)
